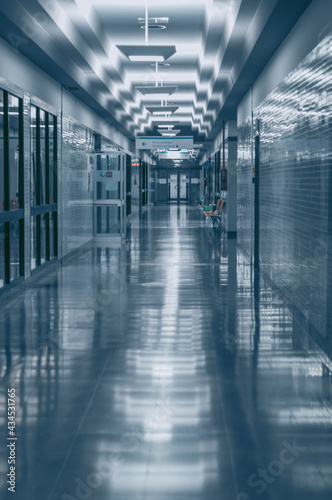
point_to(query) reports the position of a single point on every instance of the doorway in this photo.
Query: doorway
(178, 187)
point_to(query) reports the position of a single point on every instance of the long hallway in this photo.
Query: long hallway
(156, 371)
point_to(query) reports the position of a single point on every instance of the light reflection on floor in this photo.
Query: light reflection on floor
(157, 371)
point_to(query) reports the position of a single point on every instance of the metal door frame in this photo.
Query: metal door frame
(178, 198)
(120, 202)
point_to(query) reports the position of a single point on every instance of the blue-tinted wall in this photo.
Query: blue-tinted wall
(245, 187)
(295, 122)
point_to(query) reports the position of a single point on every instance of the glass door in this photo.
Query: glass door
(183, 187)
(173, 187)
(178, 187)
(109, 194)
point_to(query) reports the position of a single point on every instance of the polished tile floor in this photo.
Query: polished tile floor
(163, 370)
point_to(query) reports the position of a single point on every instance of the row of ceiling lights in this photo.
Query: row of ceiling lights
(156, 54)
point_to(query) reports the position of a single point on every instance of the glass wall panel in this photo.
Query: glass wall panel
(52, 236)
(109, 220)
(42, 121)
(14, 250)
(33, 155)
(51, 155)
(14, 151)
(42, 239)
(1, 154)
(2, 256)
(33, 243)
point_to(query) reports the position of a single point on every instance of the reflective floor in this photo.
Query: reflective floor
(158, 372)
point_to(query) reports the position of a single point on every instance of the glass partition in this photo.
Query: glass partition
(11, 188)
(43, 187)
(2, 197)
(14, 151)
(109, 195)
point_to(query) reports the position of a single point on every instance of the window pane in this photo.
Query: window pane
(14, 152)
(42, 156)
(52, 236)
(42, 239)
(51, 153)
(1, 155)
(2, 256)
(33, 243)
(14, 250)
(33, 154)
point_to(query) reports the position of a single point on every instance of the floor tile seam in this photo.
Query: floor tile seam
(79, 428)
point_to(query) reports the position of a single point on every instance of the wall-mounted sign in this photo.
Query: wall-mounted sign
(164, 142)
(162, 181)
(107, 175)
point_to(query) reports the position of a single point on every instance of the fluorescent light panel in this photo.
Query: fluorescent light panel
(164, 123)
(147, 53)
(157, 110)
(146, 58)
(175, 131)
(150, 90)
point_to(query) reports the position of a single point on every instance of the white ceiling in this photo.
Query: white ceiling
(196, 28)
(214, 39)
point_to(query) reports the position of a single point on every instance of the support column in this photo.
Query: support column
(256, 216)
(230, 146)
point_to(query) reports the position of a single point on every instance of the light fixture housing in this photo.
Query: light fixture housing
(161, 110)
(163, 123)
(166, 133)
(147, 53)
(155, 27)
(154, 20)
(150, 90)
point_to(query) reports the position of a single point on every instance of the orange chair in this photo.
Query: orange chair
(216, 216)
(208, 212)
